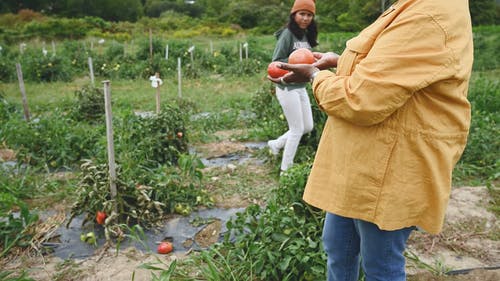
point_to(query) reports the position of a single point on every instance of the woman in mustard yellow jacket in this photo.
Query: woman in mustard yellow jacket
(398, 120)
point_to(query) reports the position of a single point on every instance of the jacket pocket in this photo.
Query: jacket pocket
(356, 50)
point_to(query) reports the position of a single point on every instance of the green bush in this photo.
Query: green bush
(53, 140)
(486, 45)
(480, 158)
(47, 68)
(89, 104)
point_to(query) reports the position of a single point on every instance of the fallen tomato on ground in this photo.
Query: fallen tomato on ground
(165, 248)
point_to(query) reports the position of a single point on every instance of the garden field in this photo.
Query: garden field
(192, 167)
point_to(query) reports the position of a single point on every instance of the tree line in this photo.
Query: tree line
(262, 15)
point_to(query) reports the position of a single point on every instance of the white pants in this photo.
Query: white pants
(297, 110)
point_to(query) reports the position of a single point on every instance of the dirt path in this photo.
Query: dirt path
(470, 238)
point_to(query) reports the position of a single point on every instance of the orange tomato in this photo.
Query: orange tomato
(165, 248)
(274, 71)
(301, 56)
(100, 217)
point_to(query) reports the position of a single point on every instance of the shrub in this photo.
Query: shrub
(89, 104)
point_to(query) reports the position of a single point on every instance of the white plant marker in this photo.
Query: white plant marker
(166, 52)
(156, 82)
(191, 53)
(245, 45)
(179, 77)
(23, 92)
(109, 136)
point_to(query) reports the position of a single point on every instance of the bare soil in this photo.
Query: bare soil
(470, 239)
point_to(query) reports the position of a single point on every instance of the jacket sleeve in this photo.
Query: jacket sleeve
(283, 47)
(407, 56)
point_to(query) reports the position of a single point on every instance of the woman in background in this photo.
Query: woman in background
(300, 32)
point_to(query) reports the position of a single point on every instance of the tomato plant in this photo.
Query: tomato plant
(274, 71)
(301, 56)
(165, 248)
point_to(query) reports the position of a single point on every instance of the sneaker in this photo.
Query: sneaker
(273, 147)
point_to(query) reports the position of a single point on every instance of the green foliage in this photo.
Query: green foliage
(4, 276)
(13, 230)
(484, 12)
(7, 64)
(15, 225)
(143, 195)
(480, 160)
(53, 140)
(57, 28)
(486, 45)
(47, 68)
(151, 141)
(6, 109)
(89, 104)
(278, 242)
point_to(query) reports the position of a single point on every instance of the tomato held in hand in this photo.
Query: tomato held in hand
(274, 71)
(301, 56)
(165, 248)
(100, 217)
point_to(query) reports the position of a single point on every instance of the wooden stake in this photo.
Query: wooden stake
(179, 76)
(241, 54)
(109, 135)
(158, 94)
(150, 44)
(23, 92)
(91, 69)
(53, 49)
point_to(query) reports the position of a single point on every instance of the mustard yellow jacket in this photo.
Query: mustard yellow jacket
(398, 117)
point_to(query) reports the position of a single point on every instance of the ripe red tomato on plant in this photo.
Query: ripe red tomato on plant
(100, 217)
(179, 134)
(165, 248)
(274, 71)
(301, 56)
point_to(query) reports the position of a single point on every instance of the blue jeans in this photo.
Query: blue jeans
(351, 242)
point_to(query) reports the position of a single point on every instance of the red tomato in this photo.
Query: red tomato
(301, 56)
(179, 134)
(274, 71)
(165, 248)
(100, 217)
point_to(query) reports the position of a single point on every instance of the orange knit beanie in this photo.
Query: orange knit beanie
(308, 5)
